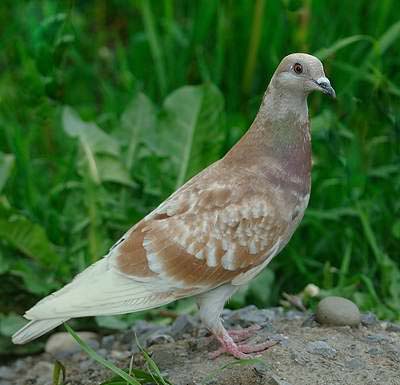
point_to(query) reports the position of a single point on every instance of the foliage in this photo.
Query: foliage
(107, 106)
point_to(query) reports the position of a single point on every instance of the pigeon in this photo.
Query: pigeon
(216, 232)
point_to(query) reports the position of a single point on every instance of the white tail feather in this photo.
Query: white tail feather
(35, 329)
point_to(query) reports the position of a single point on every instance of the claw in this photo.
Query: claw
(240, 351)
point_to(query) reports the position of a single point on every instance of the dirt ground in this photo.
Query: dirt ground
(307, 354)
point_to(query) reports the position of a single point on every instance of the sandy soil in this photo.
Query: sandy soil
(307, 354)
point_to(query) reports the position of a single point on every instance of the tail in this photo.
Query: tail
(98, 290)
(35, 329)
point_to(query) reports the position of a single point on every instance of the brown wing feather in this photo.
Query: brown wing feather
(203, 237)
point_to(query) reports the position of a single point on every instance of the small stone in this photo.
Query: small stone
(250, 315)
(142, 327)
(369, 319)
(85, 365)
(391, 327)
(159, 339)
(309, 322)
(42, 372)
(299, 358)
(118, 355)
(354, 364)
(376, 338)
(107, 342)
(294, 315)
(394, 353)
(6, 373)
(375, 352)
(184, 324)
(275, 380)
(62, 344)
(337, 311)
(322, 348)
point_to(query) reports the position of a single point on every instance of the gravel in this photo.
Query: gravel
(318, 355)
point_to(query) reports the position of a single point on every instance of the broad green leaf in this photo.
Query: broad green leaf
(89, 134)
(36, 280)
(6, 165)
(112, 170)
(101, 150)
(29, 238)
(138, 126)
(192, 129)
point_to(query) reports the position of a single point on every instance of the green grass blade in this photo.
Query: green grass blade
(97, 357)
(155, 47)
(154, 370)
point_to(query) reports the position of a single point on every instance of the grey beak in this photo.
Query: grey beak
(326, 87)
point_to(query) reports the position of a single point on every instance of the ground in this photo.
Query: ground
(307, 353)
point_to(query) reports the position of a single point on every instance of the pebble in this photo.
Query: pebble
(107, 342)
(309, 322)
(6, 373)
(294, 315)
(391, 327)
(62, 344)
(375, 352)
(250, 315)
(369, 319)
(42, 372)
(184, 324)
(322, 348)
(277, 381)
(299, 358)
(85, 365)
(377, 338)
(337, 311)
(354, 364)
(159, 338)
(394, 353)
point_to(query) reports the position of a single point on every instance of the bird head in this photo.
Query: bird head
(303, 73)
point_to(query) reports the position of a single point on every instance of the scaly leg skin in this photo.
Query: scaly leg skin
(240, 351)
(239, 335)
(211, 304)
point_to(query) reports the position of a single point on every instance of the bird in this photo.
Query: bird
(216, 232)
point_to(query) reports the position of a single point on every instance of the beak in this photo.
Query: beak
(325, 85)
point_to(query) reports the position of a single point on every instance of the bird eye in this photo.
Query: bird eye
(298, 68)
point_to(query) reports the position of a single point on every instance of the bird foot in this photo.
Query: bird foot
(240, 351)
(239, 335)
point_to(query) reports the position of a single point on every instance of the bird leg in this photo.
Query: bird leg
(243, 334)
(211, 305)
(228, 345)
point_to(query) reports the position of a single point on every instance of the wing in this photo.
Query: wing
(205, 235)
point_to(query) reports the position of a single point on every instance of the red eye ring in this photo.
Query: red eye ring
(298, 68)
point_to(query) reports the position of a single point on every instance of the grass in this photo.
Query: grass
(107, 107)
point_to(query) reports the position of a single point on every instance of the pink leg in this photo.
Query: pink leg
(242, 334)
(241, 351)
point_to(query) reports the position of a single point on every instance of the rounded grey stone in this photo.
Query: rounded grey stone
(322, 348)
(338, 311)
(62, 344)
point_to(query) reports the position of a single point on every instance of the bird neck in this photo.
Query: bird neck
(278, 142)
